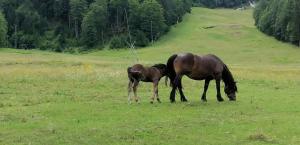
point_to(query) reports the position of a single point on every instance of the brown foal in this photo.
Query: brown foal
(138, 73)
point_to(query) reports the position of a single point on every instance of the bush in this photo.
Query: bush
(118, 42)
(26, 41)
(52, 42)
(140, 39)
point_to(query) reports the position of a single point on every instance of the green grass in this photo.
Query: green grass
(52, 98)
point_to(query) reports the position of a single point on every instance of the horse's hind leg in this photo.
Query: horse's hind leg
(172, 94)
(182, 96)
(218, 85)
(203, 98)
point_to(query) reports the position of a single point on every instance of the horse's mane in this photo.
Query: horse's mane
(228, 79)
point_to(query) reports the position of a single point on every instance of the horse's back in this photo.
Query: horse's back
(213, 62)
(206, 66)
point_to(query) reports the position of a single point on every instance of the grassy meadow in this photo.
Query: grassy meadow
(51, 98)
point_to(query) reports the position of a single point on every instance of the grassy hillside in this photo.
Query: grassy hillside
(51, 98)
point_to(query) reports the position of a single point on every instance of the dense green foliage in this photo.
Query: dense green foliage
(57, 25)
(220, 3)
(279, 18)
(3, 30)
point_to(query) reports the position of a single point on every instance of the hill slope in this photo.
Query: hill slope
(51, 98)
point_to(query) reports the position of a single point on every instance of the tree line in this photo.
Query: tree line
(62, 25)
(220, 3)
(279, 18)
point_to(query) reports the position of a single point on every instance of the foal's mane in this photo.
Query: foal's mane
(160, 66)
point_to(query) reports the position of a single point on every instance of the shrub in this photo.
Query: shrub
(140, 39)
(119, 42)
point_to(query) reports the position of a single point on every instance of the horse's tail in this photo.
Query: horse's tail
(171, 74)
(228, 78)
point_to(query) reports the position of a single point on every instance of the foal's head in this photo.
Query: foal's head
(162, 68)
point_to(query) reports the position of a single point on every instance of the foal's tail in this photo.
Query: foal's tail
(228, 78)
(171, 74)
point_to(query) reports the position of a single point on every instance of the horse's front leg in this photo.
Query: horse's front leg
(218, 85)
(203, 98)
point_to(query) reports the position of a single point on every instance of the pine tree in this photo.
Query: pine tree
(78, 8)
(294, 24)
(3, 30)
(152, 19)
(94, 23)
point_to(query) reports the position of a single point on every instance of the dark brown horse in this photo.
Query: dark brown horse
(208, 67)
(139, 73)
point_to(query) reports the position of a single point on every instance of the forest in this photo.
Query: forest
(66, 25)
(71, 25)
(279, 18)
(220, 3)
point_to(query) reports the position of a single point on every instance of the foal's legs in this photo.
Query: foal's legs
(135, 85)
(129, 91)
(155, 92)
(205, 90)
(219, 97)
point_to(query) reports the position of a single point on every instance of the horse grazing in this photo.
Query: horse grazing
(138, 73)
(208, 67)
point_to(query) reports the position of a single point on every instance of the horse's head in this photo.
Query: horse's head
(162, 68)
(230, 90)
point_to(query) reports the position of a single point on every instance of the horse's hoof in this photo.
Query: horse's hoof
(172, 101)
(232, 100)
(221, 100)
(184, 99)
(151, 102)
(203, 100)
